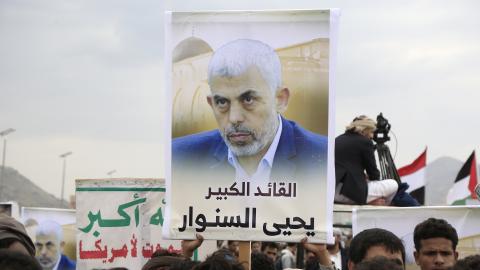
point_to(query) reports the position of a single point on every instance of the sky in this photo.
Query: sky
(87, 77)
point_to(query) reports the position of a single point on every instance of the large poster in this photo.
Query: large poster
(119, 223)
(402, 221)
(250, 96)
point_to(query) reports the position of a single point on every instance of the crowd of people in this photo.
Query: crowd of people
(435, 243)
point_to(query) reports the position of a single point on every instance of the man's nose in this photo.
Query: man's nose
(43, 250)
(439, 259)
(236, 114)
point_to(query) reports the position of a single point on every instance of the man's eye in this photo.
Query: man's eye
(221, 102)
(248, 100)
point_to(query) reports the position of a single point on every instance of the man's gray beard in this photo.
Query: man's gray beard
(259, 140)
(46, 262)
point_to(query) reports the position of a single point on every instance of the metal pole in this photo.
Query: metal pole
(3, 167)
(4, 134)
(63, 179)
(64, 156)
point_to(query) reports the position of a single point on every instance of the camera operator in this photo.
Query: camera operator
(354, 154)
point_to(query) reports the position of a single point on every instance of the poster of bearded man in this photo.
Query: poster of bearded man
(250, 134)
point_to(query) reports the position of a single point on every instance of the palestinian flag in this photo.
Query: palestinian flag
(464, 186)
(414, 175)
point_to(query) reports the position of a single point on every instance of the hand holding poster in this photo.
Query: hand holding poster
(250, 125)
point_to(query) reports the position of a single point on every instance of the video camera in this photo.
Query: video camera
(380, 135)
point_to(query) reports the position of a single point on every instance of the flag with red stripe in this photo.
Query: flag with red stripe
(464, 185)
(414, 175)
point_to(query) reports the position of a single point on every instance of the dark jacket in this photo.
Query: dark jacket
(66, 263)
(354, 154)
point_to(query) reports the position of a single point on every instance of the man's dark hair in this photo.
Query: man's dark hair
(471, 262)
(432, 228)
(312, 263)
(374, 237)
(260, 261)
(12, 260)
(218, 261)
(269, 245)
(184, 265)
(379, 263)
(164, 252)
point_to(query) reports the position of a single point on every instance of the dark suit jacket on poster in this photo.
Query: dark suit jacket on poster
(354, 154)
(65, 263)
(300, 153)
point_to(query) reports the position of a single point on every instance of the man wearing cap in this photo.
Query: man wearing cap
(354, 155)
(13, 236)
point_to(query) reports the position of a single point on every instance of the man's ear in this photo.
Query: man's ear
(210, 100)
(455, 253)
(416, 255)
(62, 245)
(281, 99)
(351, 265)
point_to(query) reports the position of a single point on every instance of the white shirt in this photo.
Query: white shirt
(58, 262)
(337, 260)
(262, 174)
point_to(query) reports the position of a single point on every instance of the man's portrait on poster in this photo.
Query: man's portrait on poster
(253, 142)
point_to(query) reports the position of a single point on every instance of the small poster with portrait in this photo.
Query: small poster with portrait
(250, 121)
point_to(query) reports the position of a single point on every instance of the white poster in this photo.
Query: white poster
(119, 223)
(251, 101)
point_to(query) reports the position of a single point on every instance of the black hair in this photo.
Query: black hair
(269, 245)
(432, 228)
(471, 262)
(260, 261)
(374, 237)
(312, 263)
(219, 261)
(184, 265)
(14, 260)
(164, 252)
(379, 263)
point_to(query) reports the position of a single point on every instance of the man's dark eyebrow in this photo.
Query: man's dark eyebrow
(248, 93)
(217, 97)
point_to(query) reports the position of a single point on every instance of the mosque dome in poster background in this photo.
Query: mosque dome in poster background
(190, 47)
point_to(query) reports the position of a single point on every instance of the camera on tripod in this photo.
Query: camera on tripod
(380, 136)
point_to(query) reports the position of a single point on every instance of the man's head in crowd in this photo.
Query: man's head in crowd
(435, 244)
(337, 233)
(260, 261)
(49, 243)
(379, 263)
(375, 242)
(13, 236)
(13, 260)
(471, 262)
(256, 246)
(363, 125)
(233, 246)
(270, 249)
(220, 259)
